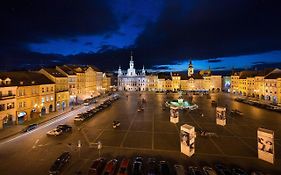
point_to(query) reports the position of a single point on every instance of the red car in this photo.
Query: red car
(110, 167)
(97, 167)
(123, 170)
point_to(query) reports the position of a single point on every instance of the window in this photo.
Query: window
(43, 90)
(10, 93)
(10, 105)
(47, 89)
(2, 107)
(0, 93)
(43, 100)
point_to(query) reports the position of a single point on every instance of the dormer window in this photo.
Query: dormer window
(33, 82)
(21, 83)
(7, 81)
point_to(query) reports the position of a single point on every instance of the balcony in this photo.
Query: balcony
(8, 96)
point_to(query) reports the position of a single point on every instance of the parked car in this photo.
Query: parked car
(152, 167)
(179, 169)
(60, 162)
(238, 171)
(65, 128)
(195, 171)
(79, 118)
(54, 132)
(164, 168)
(30, 127)
(110, 167)
(209, 171)
(124, 166)
(137, 168)
(223, 170)
(97, 167)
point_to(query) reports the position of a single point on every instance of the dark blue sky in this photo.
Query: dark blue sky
(163, 34)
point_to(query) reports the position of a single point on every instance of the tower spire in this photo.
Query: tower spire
(131, 55)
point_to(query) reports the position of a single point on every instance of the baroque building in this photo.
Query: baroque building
(131, 81)
(188, 81)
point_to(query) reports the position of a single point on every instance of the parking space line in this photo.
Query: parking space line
(249, 146)
(126, 134)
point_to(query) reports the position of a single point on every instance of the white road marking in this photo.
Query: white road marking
(34, 145)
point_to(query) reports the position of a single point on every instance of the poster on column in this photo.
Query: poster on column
(187, 139)
(174, 115)
(221, 116)
(265, 144)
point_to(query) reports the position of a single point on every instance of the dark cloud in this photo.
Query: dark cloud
(219, 68)
(204, 29)
(88, 43)
(263, 65)
(214, 60)
(31, 21)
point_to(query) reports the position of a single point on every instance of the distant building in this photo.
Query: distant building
(202, 81)
(131, 80)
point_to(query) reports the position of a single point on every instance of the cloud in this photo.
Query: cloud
(88, 43)
(214, 60)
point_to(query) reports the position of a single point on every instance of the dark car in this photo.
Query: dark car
(195, 171)
(137, 168)
(58, 165)
(164, 168)
(97, 167)
(30, 127)
(238, 171)
(65, 128)
(123, 170)
(110, 167)
(222, 169)
(152, 166)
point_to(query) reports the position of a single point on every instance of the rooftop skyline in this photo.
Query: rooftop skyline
(163, 35)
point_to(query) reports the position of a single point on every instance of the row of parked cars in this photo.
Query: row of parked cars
(90, 113)
(138, 166)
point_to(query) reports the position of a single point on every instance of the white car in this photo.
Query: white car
(78, 118)
(54, 132)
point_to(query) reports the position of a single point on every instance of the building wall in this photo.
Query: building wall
(90, 81)
(99, 76)
(7, 106)
(176, 82)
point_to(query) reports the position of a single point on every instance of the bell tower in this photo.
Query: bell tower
(190, 70)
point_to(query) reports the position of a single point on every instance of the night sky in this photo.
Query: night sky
(163, 34)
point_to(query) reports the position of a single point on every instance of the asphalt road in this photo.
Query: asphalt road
(149, 134)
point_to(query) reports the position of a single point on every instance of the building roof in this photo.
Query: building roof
(24, 78)
(274, 74)
(265, 72)
(247, 74)
(195, 76)
(95, 68)
(54, 72)
(164, 75)
(67, 70)
(76, 68)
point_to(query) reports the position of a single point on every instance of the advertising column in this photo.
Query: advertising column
(187, 139)
(221, 116)
(265, 145)
(174, 114)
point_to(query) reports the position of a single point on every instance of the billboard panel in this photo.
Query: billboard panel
(265, 145)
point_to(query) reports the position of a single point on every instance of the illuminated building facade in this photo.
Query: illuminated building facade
(262, 85)
(131, 81)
